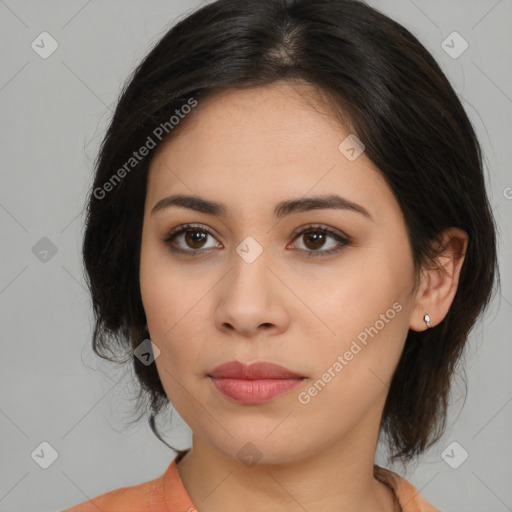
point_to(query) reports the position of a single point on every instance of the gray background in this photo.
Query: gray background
(53, 387)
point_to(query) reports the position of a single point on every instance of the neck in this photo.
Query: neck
(336, 478)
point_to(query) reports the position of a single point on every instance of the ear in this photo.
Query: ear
(438, 285)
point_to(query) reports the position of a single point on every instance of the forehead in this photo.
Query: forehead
(259, 145)
(285, 118)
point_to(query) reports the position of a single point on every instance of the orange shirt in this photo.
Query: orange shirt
(168, 494)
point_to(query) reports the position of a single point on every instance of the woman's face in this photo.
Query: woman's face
(245, 285)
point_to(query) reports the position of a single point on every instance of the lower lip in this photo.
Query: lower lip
(254, 391)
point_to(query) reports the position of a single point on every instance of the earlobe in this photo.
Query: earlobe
(439, 282)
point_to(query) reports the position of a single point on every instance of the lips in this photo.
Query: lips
(254, 371)
(254, 383)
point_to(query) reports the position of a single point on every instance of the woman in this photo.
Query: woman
(290, 233)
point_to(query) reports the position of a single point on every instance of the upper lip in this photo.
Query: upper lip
(253, 371)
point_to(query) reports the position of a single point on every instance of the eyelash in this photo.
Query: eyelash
(311, 228)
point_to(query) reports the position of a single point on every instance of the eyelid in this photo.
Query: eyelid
(341, 238)
(185, 227)
(321, 227)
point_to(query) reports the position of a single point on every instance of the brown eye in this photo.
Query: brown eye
(188, 239)
(191, 240)
(195, 239)
(314, 238)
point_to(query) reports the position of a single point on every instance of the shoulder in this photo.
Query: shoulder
(135, 498)
(407, 494)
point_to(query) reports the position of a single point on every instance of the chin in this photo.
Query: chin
(261, 450)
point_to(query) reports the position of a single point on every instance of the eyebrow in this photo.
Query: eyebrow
(282, 209)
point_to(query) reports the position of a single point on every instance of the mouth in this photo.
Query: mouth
(255, 371)
(256, 383)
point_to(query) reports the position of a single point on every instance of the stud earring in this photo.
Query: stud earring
(427, 320)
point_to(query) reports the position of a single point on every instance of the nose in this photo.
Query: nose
(251, 300)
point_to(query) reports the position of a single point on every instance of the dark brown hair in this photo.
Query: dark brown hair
(398, 102)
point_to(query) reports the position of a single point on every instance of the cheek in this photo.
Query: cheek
(166, 292)
(175, 319)
(356, 296)
(366, 315)
(352, 369)
(172, 305)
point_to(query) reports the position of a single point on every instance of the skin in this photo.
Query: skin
(250, 150)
